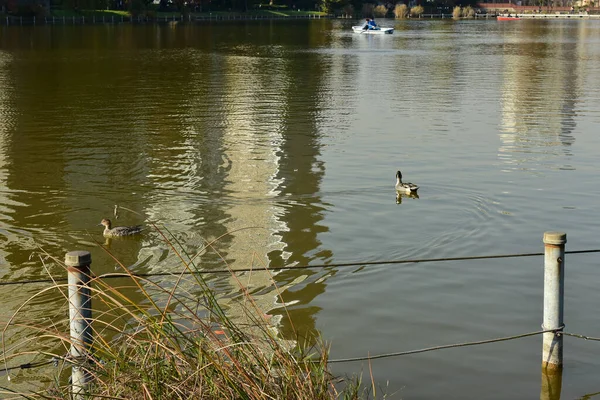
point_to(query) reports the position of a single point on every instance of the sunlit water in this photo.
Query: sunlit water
(297, 129)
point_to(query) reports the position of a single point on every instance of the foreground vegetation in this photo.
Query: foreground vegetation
(175, 344)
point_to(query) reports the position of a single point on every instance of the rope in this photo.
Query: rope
(448, 346)
(23, 282)
(29, 365)
(294, 267)
(29, 281)
(580, 336)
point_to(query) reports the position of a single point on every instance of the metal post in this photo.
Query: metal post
(80, 317)
(554, 289)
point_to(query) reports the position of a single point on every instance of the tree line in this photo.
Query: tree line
(348, 7)
(136, 7)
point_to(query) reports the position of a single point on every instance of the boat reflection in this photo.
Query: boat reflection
(400, 196)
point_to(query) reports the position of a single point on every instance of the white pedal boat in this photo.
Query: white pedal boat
(376, 31)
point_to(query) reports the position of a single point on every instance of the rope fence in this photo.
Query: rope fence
(30, 365)
(299, 267)
(447, 346)
(558, 331)
(580, 336)
(80, 278)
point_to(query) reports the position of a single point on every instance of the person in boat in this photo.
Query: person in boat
(372, 24)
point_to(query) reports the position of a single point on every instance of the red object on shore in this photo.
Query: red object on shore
(501, 18)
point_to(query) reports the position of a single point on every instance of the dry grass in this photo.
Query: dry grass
(183, 346)
(400, 11)
(416, 11)
(456, 12)
(380, 11)
(468, 12)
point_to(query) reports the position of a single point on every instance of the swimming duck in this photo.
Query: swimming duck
(119, 230)
(404, 187)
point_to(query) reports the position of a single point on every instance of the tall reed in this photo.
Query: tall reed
(468, 12)
(380, 11)
(179, 342)
(400, 11)
(416, 11)
(456, 12)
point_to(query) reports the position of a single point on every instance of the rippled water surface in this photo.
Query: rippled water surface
(296, 129)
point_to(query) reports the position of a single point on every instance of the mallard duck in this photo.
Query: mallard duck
(404, 187)
(119, 230)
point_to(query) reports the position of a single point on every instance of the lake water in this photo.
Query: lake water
(297, 129)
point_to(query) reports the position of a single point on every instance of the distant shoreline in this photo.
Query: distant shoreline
(114, 17)
(118, 17)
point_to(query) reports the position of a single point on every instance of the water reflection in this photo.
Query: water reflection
(212, 147)
(188, 168)
(5, 197)
(541, 88)
(551, 383)
(301, 172)
(400, 196)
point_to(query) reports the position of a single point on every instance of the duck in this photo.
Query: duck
(119, 230)
(404, 187)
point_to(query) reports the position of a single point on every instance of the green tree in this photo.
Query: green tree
(329, 6)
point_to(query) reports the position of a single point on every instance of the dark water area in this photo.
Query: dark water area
(287, 136)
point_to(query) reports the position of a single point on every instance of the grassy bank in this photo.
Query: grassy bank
(173, 339)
